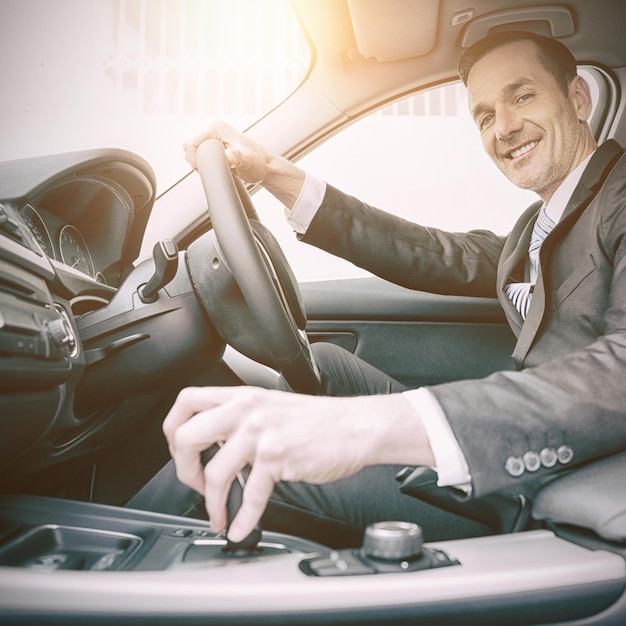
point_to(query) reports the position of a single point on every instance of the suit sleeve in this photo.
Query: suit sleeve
(405, 253)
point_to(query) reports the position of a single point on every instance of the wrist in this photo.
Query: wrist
(397, 432)
(283, 179)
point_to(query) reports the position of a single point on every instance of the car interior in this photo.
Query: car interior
(98, 338)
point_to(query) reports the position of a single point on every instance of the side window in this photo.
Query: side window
(420, 158)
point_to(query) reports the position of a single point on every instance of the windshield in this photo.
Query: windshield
(143, 75)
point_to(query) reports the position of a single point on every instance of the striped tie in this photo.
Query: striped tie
(520, 294)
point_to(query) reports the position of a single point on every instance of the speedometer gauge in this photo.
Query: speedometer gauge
(38, 228)
(74, 250)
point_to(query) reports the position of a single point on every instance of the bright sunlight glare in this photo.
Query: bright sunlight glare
(141, 74)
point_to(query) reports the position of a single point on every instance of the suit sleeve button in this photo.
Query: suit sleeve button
(548, 457)
(514, 466)
(532, 462)
(565, 454)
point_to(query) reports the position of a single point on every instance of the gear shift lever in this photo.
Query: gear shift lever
(165, 255)
(233, 503)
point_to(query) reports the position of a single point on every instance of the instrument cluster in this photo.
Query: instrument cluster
(61, 242)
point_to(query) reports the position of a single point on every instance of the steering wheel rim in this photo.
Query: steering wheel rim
(250, 269)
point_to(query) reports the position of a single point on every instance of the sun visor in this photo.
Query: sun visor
(414, 25)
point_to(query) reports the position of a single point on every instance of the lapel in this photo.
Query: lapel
(592, 179)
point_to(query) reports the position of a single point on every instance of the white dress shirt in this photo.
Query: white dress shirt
(450, 463)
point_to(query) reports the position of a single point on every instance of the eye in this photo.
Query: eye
(524, 98)
(485, 121)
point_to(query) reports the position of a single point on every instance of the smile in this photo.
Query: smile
(518, 152)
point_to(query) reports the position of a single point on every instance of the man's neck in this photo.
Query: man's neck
(558, 200)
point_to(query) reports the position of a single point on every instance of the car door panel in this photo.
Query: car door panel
(416, 337)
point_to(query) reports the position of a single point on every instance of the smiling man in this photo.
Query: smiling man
(560, 277)
(533, 124)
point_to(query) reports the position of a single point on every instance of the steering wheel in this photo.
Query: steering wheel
(271, 296)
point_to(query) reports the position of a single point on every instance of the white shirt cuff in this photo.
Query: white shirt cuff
(300, 216)
(450, 463)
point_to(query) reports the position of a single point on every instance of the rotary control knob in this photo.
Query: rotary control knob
(393, 541)
(59, 331)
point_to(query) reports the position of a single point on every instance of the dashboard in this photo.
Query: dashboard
(70, 228)
(83, 358)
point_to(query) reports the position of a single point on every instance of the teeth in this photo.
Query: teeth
(523, 149)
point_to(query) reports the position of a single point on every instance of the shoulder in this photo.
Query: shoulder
(611, 198)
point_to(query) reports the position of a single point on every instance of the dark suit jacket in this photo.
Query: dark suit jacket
(569, 391)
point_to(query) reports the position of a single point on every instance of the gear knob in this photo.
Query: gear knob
(233, 504)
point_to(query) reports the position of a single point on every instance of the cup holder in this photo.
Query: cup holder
(53, 547)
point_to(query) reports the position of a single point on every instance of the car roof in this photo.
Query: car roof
(369, 52)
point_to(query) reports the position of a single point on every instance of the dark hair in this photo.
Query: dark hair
(554, 55)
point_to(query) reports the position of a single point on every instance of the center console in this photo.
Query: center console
(67, 562)
(80, 536)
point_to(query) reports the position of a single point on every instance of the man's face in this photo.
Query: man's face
(533, 132)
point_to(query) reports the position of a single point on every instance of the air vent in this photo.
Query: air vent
(10, 228)
(21, 289)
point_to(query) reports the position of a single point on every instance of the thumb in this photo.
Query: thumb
(248, 163)
(234, 157)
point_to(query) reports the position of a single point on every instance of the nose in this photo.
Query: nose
(507, 123)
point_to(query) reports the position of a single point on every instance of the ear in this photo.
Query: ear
(580, 94)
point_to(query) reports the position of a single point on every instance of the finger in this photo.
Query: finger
(190, 148)
(234, 157)
(200, 431)
(186, 405)
(190, 155)
(219, 475)
(196, 435)
(217, 130)
(256, 495)
(189, 402)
